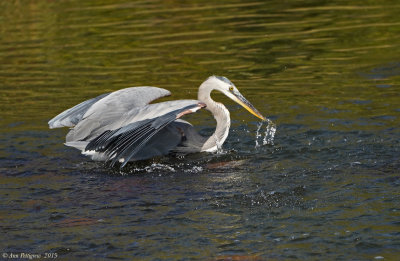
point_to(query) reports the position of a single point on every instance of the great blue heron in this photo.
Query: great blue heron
(123, 126)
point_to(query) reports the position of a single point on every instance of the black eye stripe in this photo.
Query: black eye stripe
(224, 79)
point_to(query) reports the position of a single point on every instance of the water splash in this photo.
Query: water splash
(269, 133)
(154, 167)
(266, 138)
(258, 133)
(194, 169)
(160, 168)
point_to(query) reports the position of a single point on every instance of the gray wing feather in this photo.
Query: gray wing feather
(124, 143)
(109, 112)
(112, 117)
(109, 105)
(72, 116)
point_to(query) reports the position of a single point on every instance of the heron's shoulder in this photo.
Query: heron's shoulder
(131, 97)
(164, 108)
(176, 103)
(143, 92)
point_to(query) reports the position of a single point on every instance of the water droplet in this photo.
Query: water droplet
(269, 133)
(258, 134)
(158, 167)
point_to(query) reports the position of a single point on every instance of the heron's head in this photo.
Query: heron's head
(225, 86)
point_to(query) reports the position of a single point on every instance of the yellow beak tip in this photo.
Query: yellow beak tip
(262, 118)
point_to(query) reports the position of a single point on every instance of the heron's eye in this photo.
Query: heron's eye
(230, 88)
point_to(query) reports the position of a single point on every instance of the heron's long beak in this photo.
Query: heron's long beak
(239, 98)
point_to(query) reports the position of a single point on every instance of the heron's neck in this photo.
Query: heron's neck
(221, 115)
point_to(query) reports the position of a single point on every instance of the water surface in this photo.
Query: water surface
(327, 74)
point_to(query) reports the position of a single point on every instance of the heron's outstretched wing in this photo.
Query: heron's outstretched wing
(124, 143)
(108, 112)
(72, 116)
(119, 101)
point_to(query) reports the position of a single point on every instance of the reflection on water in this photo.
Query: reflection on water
(324, 186)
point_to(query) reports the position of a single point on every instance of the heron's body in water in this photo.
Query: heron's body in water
(123, 126)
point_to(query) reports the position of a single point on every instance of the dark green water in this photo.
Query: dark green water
(326, 72)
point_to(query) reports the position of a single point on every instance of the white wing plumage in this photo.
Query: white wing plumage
(121, 100)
